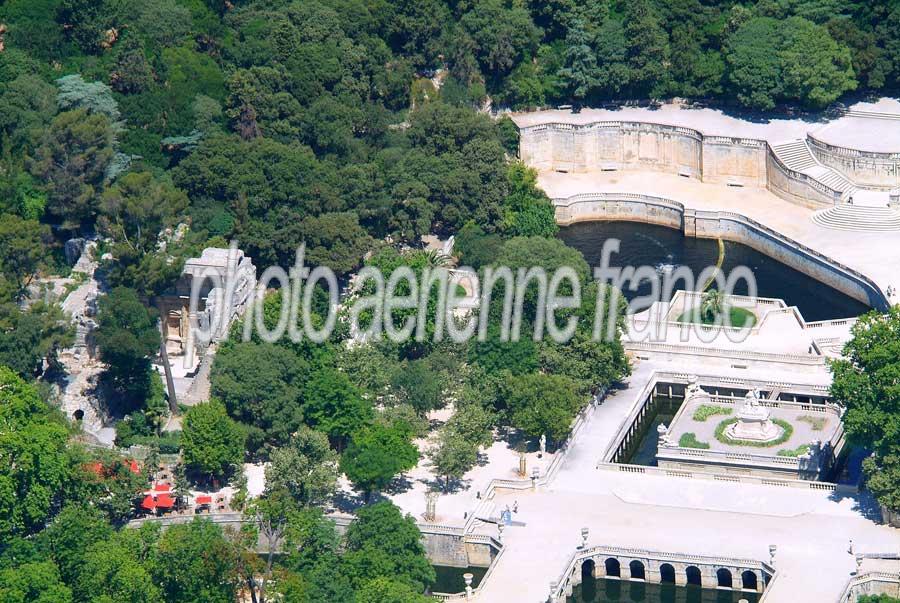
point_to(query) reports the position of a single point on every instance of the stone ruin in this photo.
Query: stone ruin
(217, 273)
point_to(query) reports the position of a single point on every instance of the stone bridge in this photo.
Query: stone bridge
(609, 562)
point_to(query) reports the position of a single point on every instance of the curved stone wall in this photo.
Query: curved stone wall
(796, 187)
(623, 145)
(865, 168)
(718, 224)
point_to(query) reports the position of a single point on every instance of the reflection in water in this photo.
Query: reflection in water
(666, 248)
(450, 579)
(603, 591)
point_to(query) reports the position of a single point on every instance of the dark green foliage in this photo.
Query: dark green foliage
(376, 454)
(543, 404)
(382, 543)
(261, 386)
(212, 443)
(127, 336)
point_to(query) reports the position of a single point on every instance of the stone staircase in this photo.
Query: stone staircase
(859, 218)
(797, 156)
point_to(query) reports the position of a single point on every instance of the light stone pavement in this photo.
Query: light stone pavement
(810, 528)
(875, 254)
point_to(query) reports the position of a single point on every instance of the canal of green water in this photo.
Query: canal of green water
(450, 579)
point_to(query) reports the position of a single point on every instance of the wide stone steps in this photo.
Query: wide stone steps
(795, 154)
(858, 218)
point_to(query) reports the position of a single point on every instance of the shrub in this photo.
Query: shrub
(795, 452)
(689, 440)
(705, 411)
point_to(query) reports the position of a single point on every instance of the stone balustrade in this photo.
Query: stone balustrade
(625, 563)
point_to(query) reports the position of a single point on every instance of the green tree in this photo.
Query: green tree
(543, 404)
(865, 382)
(755, 71)
(117, 568)
(452, 456)
(136, 208)
(27, 104)
(416, 383)
(127, 336)
(333, 405)
(307, 468)
(386, 590)
(23, 249)
(647, 50)
(817, 70)
(88, 21)
(503, 35)
(72, 160)
(195, 564)
(70, 535)
(260, 384)
(383, 543)
(35, 463)
(37, 582)
(529, 212)
(212, 443)
(375, 455)
(580, 68)
(335, 240)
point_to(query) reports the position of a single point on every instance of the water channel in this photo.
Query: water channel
(666, 248)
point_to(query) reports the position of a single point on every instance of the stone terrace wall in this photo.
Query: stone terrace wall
(867, 169)
(623, 145)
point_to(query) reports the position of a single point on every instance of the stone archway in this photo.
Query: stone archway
(78, 415)
(587, 570)
(692, 573)
(723, 578)
(667, 573)
(749, 581)
(613, 568)
(637, 570)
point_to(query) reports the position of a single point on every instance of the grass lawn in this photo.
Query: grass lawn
(739, 317)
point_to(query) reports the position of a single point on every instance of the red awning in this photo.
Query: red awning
(204, 499)
(162, 487)
(148, 503)
(165, 501)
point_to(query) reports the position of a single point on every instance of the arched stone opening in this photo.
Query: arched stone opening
(587, 570)
(612, 567)
(667, 573)
(748, 580)
(78, 415)
(723, 578)
(692, 573)
(637, 570)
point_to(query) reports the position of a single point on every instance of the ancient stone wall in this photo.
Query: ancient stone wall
(867, 169)
(615, 145)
